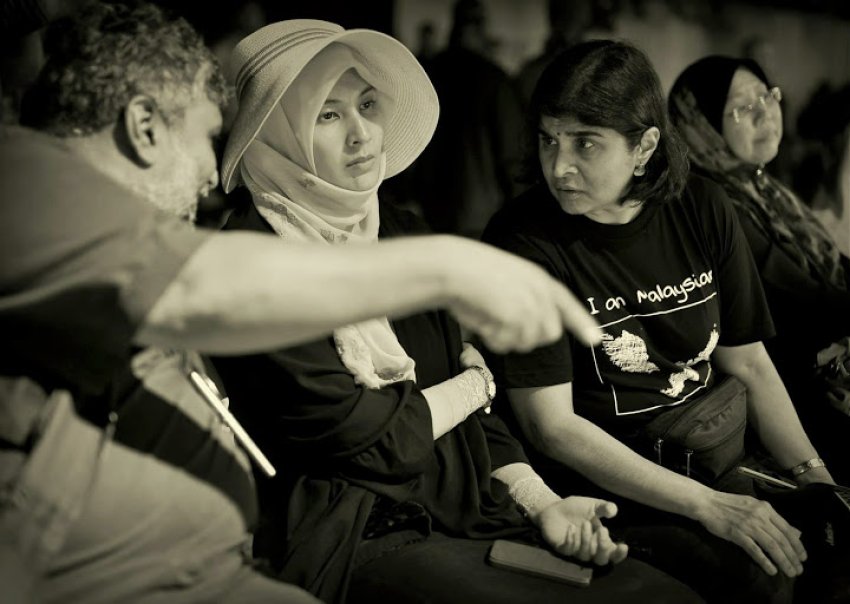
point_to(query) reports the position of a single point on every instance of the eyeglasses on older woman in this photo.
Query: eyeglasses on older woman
(774, 95)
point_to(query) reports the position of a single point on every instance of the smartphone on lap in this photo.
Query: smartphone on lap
(538, 562)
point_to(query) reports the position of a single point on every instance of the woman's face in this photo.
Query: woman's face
(587, 168)
(755, 137)
(349, 136)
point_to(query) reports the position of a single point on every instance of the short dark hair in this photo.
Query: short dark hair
(108, 53)
(611, 84)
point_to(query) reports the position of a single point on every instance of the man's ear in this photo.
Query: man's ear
(648, 144)
(144, 128)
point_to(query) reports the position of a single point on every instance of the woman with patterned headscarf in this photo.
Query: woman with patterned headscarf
(730, 115)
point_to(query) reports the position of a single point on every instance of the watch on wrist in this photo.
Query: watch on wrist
(489, 382)
(804, 467)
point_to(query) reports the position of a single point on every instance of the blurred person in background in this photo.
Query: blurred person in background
(23, 56)
(823, 177)
(470, 167)
(426, 43)
(568, 20)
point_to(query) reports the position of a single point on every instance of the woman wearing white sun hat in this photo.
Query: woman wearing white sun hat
(381, 431)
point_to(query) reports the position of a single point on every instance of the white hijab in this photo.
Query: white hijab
(279, 169)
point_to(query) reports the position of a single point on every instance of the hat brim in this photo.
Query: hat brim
(276, 54)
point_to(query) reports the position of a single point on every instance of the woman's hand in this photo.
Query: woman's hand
(572, 527)
(758, 528)
(470, 357)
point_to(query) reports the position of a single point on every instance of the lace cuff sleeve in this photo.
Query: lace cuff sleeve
(526, 488)
(454, 400)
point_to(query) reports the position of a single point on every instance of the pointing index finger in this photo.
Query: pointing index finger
(576, 318)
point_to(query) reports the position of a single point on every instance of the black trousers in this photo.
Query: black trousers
(446, 570)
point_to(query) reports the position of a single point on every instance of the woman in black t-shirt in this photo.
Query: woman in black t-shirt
(662, 265)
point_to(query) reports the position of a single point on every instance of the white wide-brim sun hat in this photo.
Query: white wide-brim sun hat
(264, 64)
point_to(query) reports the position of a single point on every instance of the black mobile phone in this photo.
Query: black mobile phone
(539, 562)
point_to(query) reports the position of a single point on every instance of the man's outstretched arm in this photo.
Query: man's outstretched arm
(246, 292)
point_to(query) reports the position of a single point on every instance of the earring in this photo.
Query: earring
(640, 170)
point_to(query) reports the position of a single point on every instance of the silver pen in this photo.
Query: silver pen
(202, 386)
(778, 482)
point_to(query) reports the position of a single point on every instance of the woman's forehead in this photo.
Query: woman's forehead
(350, 82)
(559, 121)
(569, 125)
(744, 83)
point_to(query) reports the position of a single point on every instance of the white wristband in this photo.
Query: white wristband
(473, 385)
(526, 488)
(452, 401)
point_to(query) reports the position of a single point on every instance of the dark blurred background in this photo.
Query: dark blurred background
(803, 45)
(801, 42)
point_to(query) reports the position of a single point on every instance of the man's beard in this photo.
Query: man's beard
(176, 189)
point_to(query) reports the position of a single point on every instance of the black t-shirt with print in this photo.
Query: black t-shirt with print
(666, 288)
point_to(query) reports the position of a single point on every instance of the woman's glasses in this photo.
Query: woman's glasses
(774, 95)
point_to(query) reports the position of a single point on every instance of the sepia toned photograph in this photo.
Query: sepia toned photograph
(425, 302)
